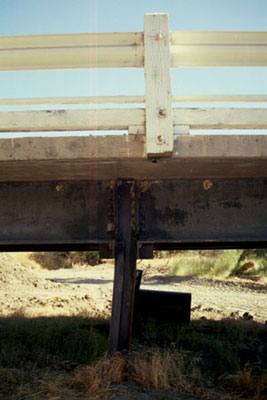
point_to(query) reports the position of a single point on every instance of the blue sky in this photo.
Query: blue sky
(25, 17)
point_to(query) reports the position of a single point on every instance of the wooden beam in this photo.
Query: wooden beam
(71, 51)
(218, 49)
(220, 147)
(92, 148)
(215, 56)
(199, 98)
(218, 38)
(122, 119)
(71, 40)
(190, 98)
(221, 118)
(159, 120)
(100, 50)
(70, 120)
(72, 100)
(105, 149)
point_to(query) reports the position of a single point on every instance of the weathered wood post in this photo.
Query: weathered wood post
(159, 119)
(125, 267)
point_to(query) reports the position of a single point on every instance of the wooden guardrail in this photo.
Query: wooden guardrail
(156, 50)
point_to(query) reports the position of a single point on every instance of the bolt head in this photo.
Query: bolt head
(159, 36)
(162, 113)
(160, 139)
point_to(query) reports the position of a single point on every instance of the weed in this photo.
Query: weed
(85, 257)
(55, 259)
(52, 260)
(220, 263)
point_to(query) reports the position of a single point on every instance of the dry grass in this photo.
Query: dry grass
(151, 370)
(249, 384)
(156, 370)
(96, 378)
(52, 260)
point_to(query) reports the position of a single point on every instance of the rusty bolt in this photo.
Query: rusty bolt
(207, 184)
(59, 188)
(162, 113)
(160, 139)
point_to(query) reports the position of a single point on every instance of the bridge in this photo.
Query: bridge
(155, 185)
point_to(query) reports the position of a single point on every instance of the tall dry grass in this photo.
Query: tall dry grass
(156, 370)
(96, 378)
(151, 370)
(249, 384)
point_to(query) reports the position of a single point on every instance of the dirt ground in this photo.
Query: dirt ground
(25, 287)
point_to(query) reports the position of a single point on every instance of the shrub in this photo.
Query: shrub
(85, 257)
(52, 260)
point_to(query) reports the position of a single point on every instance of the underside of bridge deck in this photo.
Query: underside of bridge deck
(129, 218)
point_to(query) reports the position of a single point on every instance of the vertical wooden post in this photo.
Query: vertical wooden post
(159, 120)
(125, 269)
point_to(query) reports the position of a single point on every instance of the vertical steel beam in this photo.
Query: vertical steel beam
(125, 268)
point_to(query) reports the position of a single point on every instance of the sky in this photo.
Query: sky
(26, 17)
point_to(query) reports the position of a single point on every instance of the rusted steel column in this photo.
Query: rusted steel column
(125, 268)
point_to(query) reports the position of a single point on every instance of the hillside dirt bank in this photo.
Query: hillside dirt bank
(87, 289)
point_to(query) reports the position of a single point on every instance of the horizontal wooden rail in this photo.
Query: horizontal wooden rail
(218, 49)
(219, 56)
(239, 98)
(70, 120)
(73, 100)
(218, 38)
(122, 119)
(156, 50)
(71, 51)
(71, 40)
(191, 98)
(221, 118)
(124, 50)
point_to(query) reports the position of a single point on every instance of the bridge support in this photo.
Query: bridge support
(121, 216)
(125, 268)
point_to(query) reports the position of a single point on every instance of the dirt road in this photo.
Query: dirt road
(89, 290)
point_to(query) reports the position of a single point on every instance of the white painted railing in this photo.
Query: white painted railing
(156, 50)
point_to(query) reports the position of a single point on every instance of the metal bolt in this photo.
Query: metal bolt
(159, 36)
(162, 113)
(59, 188)
(160, 139)
(207, 184)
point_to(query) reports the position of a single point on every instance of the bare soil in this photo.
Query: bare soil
(88, 289)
